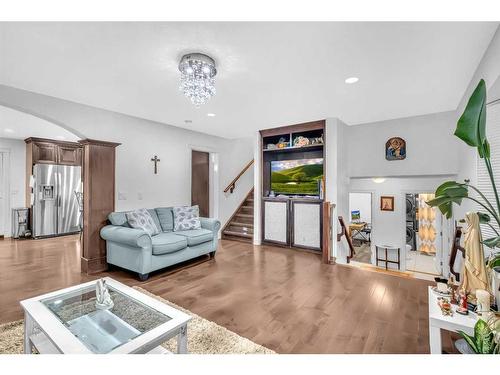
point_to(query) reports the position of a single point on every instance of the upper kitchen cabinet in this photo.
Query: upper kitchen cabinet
(69, 155)
(47, 151)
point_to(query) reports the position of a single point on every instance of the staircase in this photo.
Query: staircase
(240, 226)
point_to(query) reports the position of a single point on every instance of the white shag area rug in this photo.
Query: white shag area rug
(204, 336)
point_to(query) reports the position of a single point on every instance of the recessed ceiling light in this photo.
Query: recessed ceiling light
(8, 130)
(211, 114)
(378, 180)
(352, 80)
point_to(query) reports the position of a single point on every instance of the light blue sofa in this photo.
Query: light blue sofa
(134, 250)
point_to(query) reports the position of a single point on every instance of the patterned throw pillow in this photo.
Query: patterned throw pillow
(186, 218)
(142, 219)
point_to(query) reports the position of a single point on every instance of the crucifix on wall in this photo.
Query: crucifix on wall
(156, 161)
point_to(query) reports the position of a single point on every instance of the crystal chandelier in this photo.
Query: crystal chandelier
(197, 77)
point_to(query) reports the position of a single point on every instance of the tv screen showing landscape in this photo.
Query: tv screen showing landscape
(296, 177)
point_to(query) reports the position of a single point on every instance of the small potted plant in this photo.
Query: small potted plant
(486, 339)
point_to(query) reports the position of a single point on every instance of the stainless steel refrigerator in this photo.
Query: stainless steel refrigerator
(55, 205)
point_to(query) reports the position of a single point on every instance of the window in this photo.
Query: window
(483, 179)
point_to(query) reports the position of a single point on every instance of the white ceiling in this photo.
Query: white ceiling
(19, 125)
(269, 74)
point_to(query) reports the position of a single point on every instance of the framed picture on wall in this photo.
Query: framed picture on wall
(386, 203)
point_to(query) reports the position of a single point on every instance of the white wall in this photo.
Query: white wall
(361, 202)
(16, 177)
(388, 227)
(136, 185)
(430, 146)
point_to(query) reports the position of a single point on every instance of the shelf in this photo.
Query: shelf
(295, 149)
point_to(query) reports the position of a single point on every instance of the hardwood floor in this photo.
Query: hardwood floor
(283, 299)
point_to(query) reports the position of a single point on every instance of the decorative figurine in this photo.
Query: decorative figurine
(444, 304)
(103, 299)
(282, 143)
(462, 308)
(300, 141)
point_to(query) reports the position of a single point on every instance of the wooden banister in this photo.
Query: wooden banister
(347, 235)
(232, 185)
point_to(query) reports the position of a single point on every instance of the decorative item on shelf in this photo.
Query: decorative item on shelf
(387, 203)
(462, 302)
(103, 298)
(282, 143)
(453, 290)
(317, 140)
(300, 141)
(445, 306)
(483, 302)
(271, 146)
(395, 149)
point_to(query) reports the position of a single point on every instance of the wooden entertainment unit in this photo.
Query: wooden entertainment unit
(294, 219)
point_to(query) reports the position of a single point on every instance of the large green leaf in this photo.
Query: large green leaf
(446, 194)
(470, 340)
(471, 127)
(492, 242)
(483, 218)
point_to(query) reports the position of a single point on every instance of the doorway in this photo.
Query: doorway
(200, 181)
(424, 235)
(360, 225)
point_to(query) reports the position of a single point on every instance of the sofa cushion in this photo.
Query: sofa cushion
(196, 236)
(153, 214)
(186, 218)
(166, 218)
(118, 218)
(165, 243)
(142, 219)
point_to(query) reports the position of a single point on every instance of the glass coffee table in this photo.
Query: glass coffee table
(67, 321)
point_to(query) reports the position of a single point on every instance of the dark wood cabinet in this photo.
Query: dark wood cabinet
(69, 155)
(44, 152)
(48, 151)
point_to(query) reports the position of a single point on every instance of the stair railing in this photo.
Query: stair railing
(232, 184)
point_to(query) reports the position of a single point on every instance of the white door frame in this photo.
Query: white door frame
(213, 177)
(5, 182)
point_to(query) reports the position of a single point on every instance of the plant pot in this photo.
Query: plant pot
(463, 347)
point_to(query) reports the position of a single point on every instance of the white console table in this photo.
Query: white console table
(438, 321)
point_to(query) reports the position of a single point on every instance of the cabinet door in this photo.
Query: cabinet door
(276, 221)
(68, 155)
(44, 153)
(306, 226)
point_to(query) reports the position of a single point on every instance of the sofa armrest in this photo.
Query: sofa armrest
(127, 236)
(210, 224)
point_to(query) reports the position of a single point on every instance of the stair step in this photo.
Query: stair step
(244, 215)
(240, 224)
(240, 229)
(235, 238)
(247, 207)
(237, 234)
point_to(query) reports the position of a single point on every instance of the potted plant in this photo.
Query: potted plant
(485, 339)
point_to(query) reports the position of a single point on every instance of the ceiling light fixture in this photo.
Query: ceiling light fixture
(197, 77)
(351, 80)
(378, 180)
(211, 114)
(8, 130)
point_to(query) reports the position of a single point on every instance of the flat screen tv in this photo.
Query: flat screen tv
(297, 177)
